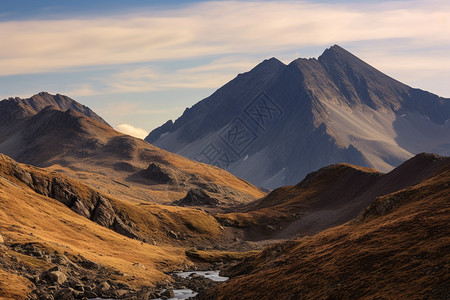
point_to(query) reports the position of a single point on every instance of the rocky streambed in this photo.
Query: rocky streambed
(187, 285)
(75, 277)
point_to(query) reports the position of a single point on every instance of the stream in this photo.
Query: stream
(183, 294)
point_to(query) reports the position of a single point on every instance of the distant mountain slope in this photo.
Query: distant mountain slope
(277, 122)
(120, 165)
(398, 248)
(16, 109)
(328, 197)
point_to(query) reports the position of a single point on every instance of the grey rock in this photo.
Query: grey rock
(56, 277)
(103, 287)
(168, 293)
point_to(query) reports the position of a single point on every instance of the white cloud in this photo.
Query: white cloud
(146, 79)
(131, 130)
(219, 28)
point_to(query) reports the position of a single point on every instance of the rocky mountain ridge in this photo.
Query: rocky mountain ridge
(277, 123)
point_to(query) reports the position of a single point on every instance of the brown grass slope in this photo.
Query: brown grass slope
(328, 197)
(397, 248)
(153, 223)
(65, 139)
(28, 218)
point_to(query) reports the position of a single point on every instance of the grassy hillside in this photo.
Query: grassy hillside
(398, 248)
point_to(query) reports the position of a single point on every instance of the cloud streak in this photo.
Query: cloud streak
(214, 28)
(131, 130)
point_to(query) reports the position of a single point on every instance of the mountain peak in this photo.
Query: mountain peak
(336, 49)
(271, 65)
(337, 54)
(16, 109)
(299, 117)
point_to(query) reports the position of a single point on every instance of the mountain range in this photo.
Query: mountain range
(88, 212)
(277, 123)
(58, 133)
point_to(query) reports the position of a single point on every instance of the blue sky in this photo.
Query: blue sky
(140, 63)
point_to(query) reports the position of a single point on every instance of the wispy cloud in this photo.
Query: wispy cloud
(214, 28)
(152, 78)
(131, 130)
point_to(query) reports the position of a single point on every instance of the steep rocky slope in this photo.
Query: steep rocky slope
(397, 248)
(152, 223)
(328, 197)
(47, 247)
(277, 123)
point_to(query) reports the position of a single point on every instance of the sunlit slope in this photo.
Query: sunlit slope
(399, 247)
(120, 165)
(27, 217)
(328, 197)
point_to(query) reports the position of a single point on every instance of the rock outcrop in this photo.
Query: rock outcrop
(75, 195)
(197, 197)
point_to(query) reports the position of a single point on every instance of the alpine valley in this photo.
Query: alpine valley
(321, 179)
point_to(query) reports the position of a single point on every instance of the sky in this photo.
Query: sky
(140, 63)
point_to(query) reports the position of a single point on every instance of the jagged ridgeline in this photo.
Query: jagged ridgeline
(277, 123)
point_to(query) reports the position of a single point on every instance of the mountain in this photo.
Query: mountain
(92, 212)
(397, 248)
(67, 137)
(16, 109)
(277, 123)
(331, 196)
(54, 239)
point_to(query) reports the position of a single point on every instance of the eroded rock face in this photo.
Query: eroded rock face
(197, 197)
(157, 173)
(91, 205)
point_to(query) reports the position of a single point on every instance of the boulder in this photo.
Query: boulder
(144, 294)
(157, 173)
(2, 240)
(197, 197)
(103, 286)
(168, 293)
(56, 277)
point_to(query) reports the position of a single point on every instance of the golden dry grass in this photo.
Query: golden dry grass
(28, 217)
(218, 256)
(13, 286)
(401, 253)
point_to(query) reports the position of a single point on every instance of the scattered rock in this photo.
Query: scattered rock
(197, 197)
(103, 287)
(139, 265)
(144, 294)
(173, 234)
(65, 294)
(56, 277)
(119, 227)
(168, 293)
(157, 173)
(120, 293)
